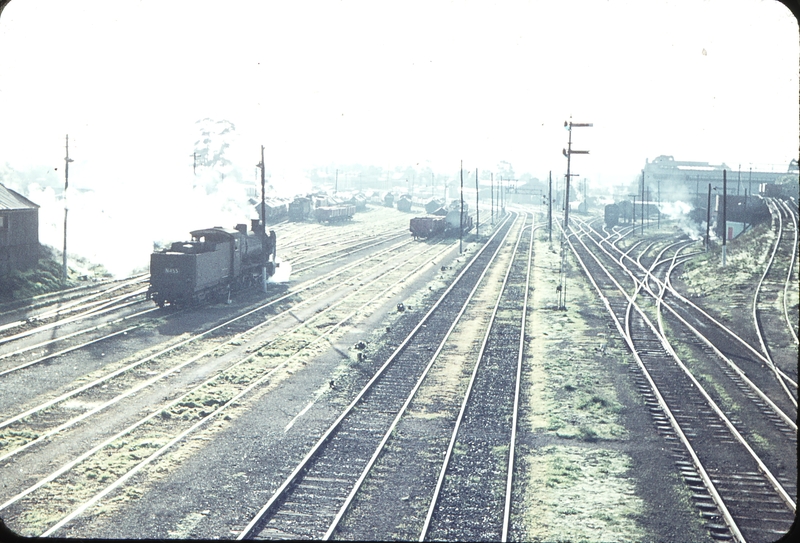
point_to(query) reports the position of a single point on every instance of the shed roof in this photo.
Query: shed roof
(10, 199)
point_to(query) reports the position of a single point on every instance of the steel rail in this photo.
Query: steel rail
(720, 414)
(156, 378)
(335, 258)
(733, 366)
(467, 393)
(250, 528)
(759, 331)
(720, 325)
(103, 307)
(74, 347)
(30, 303)
(666, 284)
(379, 449)
(789, 322)
(159, 452)
(625, 333)
(518, 380)
(196, 337)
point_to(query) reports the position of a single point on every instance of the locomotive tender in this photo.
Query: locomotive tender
(216, 261)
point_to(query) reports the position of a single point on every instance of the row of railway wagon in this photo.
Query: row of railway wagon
(441, 221)
(303, 208)
(326, 209)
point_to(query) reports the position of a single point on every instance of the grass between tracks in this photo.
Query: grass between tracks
(44, 507)
(577, 483)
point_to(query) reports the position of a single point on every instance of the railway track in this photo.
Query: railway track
(316, 495)
(28, 499)
(719, 340)
(472, 499)
(10, 356)
(714, 457)
(775, 329)
(60, 312)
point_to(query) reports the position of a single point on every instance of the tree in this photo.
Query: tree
(504, 170)
(214, 141)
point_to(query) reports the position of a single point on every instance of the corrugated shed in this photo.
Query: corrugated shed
(10, 199)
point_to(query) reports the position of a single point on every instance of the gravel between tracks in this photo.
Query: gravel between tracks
(591, 465)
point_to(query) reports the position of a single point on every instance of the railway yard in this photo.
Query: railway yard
(606, 385)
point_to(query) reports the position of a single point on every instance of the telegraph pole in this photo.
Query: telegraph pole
(642, 219)
(263, 222)
(739, 181)
(724, 213)
(477, 213)
(708, 215)
(67, 160)
(461, 212)
(550, 207)
(658, 204)
(492, 191)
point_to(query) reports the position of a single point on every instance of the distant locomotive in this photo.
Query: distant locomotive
(299, 209)
(455, 220)
(216, 261)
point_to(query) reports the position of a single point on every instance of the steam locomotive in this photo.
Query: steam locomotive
(215, 262)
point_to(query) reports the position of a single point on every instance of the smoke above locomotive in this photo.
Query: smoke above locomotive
(214, 263)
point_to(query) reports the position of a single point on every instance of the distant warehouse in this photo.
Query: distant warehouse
(19, 231)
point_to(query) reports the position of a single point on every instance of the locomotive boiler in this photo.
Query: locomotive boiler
(215, 262)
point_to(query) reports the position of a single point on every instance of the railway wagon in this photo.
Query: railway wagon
(335, 213)
(778, 190)
(275, 210)
(299, 209)
(215, 262)
(612, 215)
(433, 205)
(404, 204)
(428, 226)
(388, 200)
(360, 201)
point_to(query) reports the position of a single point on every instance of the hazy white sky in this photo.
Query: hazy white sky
(401, 82)
(433, 82)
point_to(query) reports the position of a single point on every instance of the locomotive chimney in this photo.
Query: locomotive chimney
(256, 226)
(241, 228)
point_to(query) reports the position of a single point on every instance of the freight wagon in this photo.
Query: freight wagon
(404, 203)
(612, 215)
(426, 227)
(335, 213)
